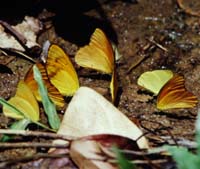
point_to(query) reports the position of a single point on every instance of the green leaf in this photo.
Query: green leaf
(48, 105)
(122, 161)
(184, 158)
(18, 125)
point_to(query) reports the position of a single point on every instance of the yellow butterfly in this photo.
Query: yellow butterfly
(58, 74)
(174, 95)
(154, 80)
(61, 72)
(24, 101)
(99, 55)
(53, 92)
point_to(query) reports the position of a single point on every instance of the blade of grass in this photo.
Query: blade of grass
(18, 125)
(48, 105)
(122, 161)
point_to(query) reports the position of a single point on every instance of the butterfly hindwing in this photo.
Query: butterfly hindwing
(53, 92)
(174, 95)
(24, 101)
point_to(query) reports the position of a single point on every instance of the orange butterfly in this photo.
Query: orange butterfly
(174, 95)
(99, 55)
(53, 92)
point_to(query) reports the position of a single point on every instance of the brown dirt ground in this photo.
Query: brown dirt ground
(129, 25)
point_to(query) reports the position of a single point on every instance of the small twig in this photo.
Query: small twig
(24, 55)
(34, 157)
(157, 44)
(152, 161)
(141, 55)
(36, 134)
(181, 142)
(33, 145)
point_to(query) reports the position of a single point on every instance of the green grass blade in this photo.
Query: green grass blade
(183, 158)
(48, 105)
(18, 125)
(122, 161)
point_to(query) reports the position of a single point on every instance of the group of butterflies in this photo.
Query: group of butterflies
(61, 79)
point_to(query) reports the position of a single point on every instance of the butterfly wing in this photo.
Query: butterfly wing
(53, 92)
(61, 71)
(24, 101)
(113, 86)
(98, 54)
(175, 95)
(154, 80)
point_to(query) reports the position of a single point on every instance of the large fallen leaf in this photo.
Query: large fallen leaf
(90, 113)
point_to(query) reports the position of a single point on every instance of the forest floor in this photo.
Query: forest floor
(174, 37)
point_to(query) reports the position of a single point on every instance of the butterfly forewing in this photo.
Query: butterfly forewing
(61, 72)
(174, 95)
(154, 80)
(113, 86)
(98, 54)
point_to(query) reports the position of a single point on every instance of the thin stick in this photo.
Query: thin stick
(33, 145)
(157, 44)
(36, 134)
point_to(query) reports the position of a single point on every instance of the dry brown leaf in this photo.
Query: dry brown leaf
(29, 28)
(89, 113)
(190, 6)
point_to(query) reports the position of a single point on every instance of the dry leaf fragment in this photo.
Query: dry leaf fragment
(190, 7)
(29, 28)
(95, 152)
(89, 113)
(88, 154)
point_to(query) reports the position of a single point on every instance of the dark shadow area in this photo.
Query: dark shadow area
(70, 21)
(73, 25)
(176, 116)
(5, 69)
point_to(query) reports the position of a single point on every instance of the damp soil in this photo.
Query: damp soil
(155, 34)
